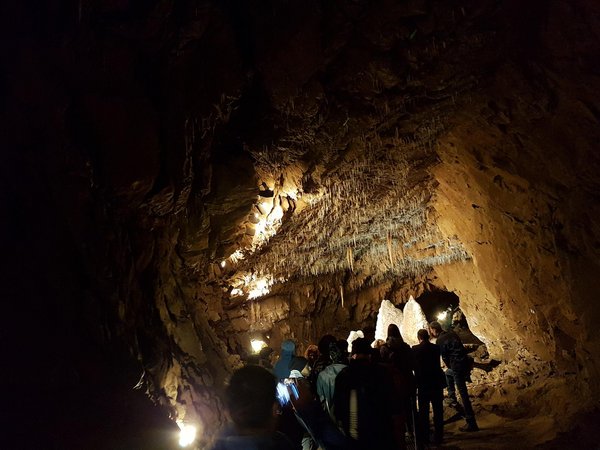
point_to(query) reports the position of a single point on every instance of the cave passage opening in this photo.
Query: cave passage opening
(434, 303)
(444, 307)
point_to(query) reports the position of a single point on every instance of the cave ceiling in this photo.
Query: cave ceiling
(335, 128)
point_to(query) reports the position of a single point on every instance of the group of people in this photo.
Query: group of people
(368, 399)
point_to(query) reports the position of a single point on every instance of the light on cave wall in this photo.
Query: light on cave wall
(257, 345)
(442, 316)
(268, 225)
(187, 434)
(236, 256)
(254, 286)
(261, 286)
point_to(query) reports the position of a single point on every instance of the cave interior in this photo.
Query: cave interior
(179, 178)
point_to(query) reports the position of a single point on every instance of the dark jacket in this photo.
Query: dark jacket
(428, 370)
(230, 440)
(453, 352)
(372, 388)
(288, 361)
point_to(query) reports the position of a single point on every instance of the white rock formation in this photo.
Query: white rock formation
(414, 320)
(352, 337)
(388, 314)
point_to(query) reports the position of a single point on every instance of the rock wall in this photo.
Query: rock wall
(516, 187)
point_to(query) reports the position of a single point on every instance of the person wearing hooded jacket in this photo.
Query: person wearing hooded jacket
(288, 361)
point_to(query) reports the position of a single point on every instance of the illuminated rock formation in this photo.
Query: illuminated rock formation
(388, 314)
(414, 319)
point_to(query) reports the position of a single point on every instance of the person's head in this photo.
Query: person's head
(311, 353)
(250, 397)
(393, 330)
(378, 343)
(264, 357)
(288, 347)
(435, 328)
(361, 349)
(324, 345)
(342, 344)
(369, 333)
(423, 335)
(338, 355)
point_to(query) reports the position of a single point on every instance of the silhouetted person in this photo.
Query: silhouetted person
(458, 369)
(250, 399)
(430, 387)
(369, 333)
(342, 345)
(323, 360)
(264, 358)
(361, 400)
(326, 379)
(288, 361)
(312, 355)
(399, 360)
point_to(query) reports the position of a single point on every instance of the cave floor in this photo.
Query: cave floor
(497, 432)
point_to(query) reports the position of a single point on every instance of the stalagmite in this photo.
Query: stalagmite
(352, 337)
(387, 315)
(414, 320)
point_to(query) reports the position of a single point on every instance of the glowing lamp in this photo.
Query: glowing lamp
(257, 345)
(442, 315)
(223, 264)
(187, 434)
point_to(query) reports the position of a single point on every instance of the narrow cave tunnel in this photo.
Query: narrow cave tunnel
(179, 178)
(438, 304)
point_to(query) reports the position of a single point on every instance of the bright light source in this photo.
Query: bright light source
(262, 286)
(257, 345)
(223, 264)
(260, 227)
(187, 434)
(442, 315)
(276, 214)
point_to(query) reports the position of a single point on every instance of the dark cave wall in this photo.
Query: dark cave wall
(97, 168)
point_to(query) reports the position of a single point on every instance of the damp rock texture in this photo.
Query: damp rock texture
(180, 177)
